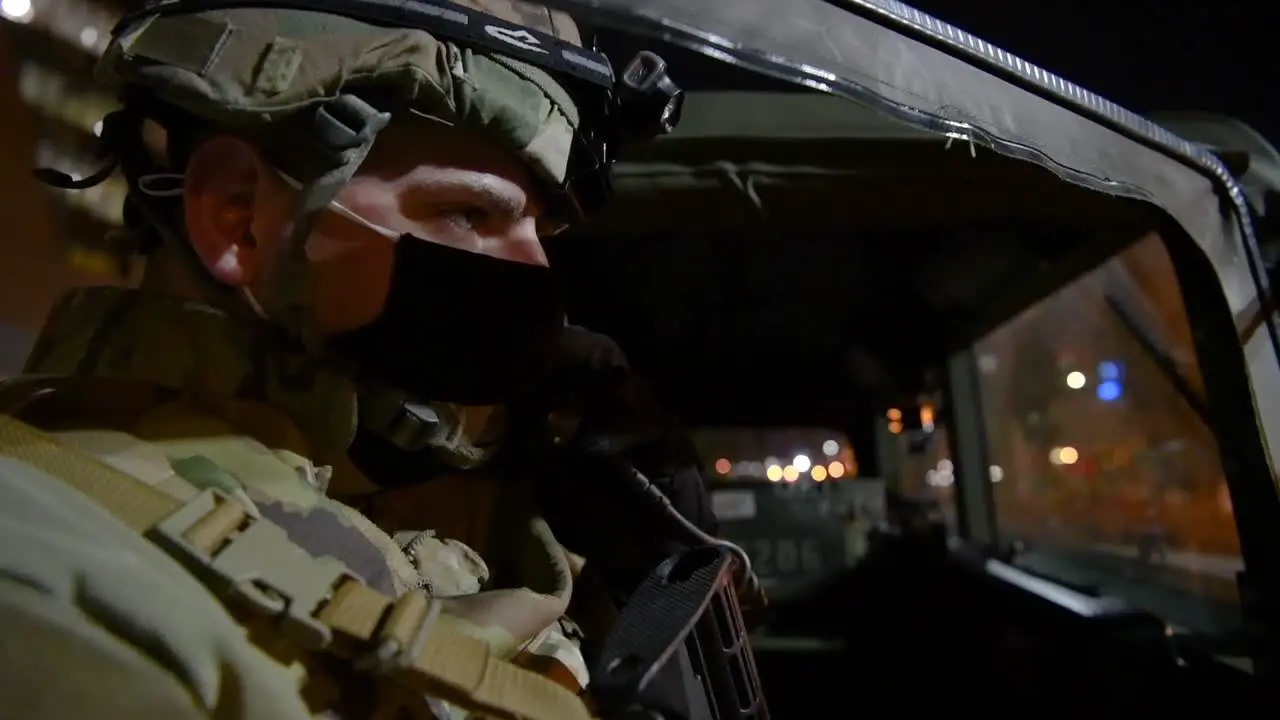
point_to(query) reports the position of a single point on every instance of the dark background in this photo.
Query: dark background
(1221, 55)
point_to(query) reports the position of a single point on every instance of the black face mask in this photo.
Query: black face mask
(458, 326)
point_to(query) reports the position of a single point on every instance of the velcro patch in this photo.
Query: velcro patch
(279, 65)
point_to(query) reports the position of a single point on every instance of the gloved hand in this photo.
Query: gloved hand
(606, 421)
(616, 413)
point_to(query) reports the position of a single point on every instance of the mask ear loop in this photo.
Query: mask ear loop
(169, 185)
(349, 214)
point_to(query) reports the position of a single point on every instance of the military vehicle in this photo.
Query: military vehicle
(985, 278)
(1051, 318)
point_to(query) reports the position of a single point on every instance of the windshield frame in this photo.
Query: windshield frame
(1218, 356)
(964, 88)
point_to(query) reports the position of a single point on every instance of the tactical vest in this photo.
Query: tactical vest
(294, 605)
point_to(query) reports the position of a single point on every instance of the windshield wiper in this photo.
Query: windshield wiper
(1162, 359)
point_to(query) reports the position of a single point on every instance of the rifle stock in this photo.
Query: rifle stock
(683, 626)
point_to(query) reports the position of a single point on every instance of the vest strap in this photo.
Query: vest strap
(251, 565)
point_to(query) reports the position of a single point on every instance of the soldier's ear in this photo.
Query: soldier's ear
(221, 185)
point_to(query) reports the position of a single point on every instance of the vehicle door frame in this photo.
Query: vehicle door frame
(1220, 353)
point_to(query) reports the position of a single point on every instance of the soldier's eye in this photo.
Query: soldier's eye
(468, 218)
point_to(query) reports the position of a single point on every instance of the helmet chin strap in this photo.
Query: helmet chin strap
(345, 130)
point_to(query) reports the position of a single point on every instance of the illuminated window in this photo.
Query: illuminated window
(79, 23)
(53, 95)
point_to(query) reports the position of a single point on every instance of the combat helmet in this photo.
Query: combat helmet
(312, 82)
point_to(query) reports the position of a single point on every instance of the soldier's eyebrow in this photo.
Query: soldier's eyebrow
(442, 186)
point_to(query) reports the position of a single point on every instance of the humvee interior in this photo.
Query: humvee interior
(1003, 347)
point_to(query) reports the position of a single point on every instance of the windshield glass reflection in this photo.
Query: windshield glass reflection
(1110, 476)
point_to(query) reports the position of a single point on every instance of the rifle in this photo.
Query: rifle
(679, 648)
(684, 626)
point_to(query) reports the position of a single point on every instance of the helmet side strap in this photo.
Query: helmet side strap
(346, 128)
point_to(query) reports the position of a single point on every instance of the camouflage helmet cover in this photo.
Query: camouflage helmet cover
(255, 66)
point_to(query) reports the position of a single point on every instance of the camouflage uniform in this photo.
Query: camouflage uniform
(184, 397)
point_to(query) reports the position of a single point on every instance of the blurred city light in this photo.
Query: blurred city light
(19, 10)
(1111, 373)
(1108, 370)
(819, 473)
(938, 478)
(802, 463)
(723, 466)
(1064, 455)
(830, 448)
(774, 473)
(835, 469)
(790, 474)
(1076, 380)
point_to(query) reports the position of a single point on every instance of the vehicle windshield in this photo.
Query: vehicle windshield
(793, 498)
(1103, 466)
(919, 462)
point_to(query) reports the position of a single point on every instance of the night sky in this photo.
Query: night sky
(1221, 56)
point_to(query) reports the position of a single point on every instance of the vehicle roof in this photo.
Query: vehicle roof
(910, 65)
(929, 76)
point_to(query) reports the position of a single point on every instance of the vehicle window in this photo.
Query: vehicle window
(793, 499)
(1110, 475)
(921, 458)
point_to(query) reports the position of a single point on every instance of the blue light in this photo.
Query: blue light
(1108, 370)
(1109, 390)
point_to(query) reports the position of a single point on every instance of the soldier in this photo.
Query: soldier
(167, 547)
